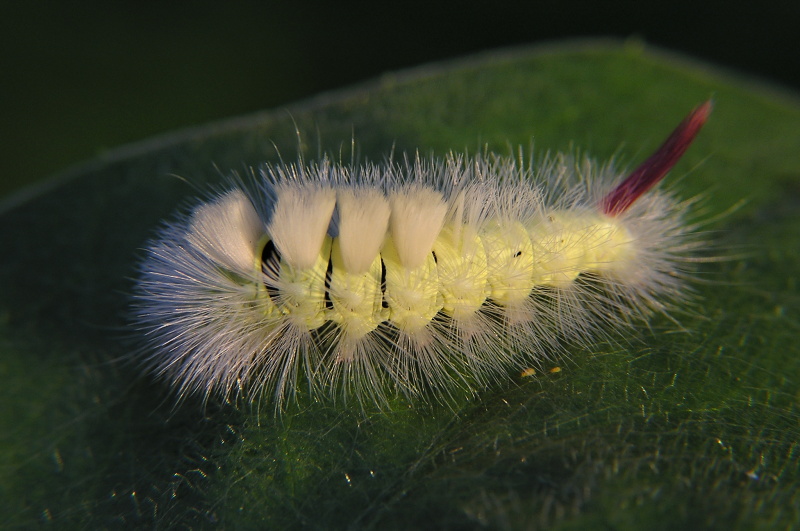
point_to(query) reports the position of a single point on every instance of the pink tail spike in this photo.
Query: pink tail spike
(656, 167)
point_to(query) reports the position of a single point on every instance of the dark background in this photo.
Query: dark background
(80, 78)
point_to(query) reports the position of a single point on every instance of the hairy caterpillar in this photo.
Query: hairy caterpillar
(418, 277)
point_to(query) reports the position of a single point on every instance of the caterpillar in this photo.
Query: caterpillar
(422, 277)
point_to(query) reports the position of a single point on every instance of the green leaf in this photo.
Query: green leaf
(672, 428)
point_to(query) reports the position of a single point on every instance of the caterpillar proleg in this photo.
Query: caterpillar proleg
(422, 277)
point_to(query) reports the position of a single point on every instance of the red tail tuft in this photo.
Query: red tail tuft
(651, 171)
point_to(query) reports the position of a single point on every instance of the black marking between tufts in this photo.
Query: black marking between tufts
(271, 266)
(384, 303)
(328, 275)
